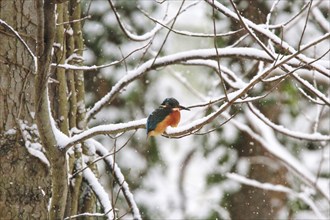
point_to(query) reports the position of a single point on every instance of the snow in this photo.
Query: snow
(120, 179)
(321, 19)
(75, 57)
(295, 134)
(266, 186)
(272, 145)
(39, 154)
(197, 196)
(102, 129)
(161, 180)
(166, 60)
(60, 137)
(10, 132)
(30, 136)
(98, 189)
(305, 196)
(275, 38)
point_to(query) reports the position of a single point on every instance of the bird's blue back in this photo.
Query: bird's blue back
(156, 117)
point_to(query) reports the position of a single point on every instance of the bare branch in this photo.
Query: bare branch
(86, 68)
(188, 33)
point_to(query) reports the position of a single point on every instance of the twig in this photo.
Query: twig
(305, 25)
(218, 57)
(87, 68)
(168, 33)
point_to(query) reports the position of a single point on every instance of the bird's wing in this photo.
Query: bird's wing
(156, 117)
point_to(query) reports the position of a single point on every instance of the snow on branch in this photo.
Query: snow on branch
(322, 21)
(119, 177)
(196, 54)
(99, 191)
(151, 64)
(191, 127)
(287, 132)
(280, 42)
(269, 142)
(304, 196)
(85, 214)
(30, 136)
(103, 129)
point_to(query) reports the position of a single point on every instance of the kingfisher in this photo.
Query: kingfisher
(168, 114)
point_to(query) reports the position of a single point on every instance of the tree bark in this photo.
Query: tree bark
(25, 180)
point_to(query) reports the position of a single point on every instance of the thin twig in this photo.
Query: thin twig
(305, 25)
(218, 57)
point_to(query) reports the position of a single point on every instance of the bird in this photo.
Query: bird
(168, 114)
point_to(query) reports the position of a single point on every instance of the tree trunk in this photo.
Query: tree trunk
(24, 182)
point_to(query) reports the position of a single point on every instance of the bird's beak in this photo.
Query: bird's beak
(183, 108)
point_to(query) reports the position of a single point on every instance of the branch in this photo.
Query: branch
(44, 120)
(250, 53)
(287, 132)
(86, 214)
(321, 20)
(94, 67)
(282, 44)
(234, 96)
(103, 129)
(132, 36)
(277, 188)
(286, 67)
(188, 33)
(99, 191)
(271, 145)
(119, 177)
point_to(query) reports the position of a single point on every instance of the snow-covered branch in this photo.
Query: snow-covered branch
(322, 21)
(99, 191)
(287, 132)
(269, 142)
(119, 177)
(278, 188)
(249, 53)
(280, 42)
(103, 129)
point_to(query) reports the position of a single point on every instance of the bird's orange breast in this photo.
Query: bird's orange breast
(172, 120)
